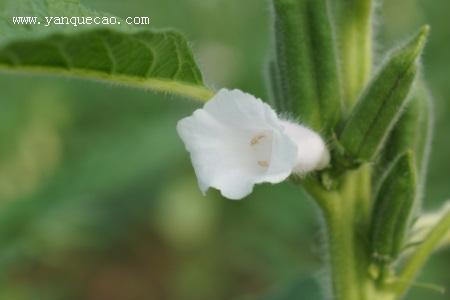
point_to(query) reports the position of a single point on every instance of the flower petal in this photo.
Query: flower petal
(217, 154)
(283, 159)
(241, 110)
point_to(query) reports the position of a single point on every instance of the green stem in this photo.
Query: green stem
(339, 223)
(342, 253)
(346, 213)
(354, 20)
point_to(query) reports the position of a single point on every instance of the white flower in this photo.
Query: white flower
(237, 141)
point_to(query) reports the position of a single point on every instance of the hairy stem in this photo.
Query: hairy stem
(354, 20)
(346, 260)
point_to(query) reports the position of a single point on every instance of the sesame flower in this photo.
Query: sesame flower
(236, 141)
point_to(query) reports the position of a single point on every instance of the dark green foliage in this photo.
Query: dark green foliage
(306, 288)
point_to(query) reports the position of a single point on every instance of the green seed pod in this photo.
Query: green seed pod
(413, 131)
(382, 102)
(392, 209)
(307, 62)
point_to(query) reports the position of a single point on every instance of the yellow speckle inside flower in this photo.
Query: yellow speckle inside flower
(255, 140)
(263, 163)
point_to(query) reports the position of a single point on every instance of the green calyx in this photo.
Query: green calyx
(382, 102)
(307, 80)
(392, 208)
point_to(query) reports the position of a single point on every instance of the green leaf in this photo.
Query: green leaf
(420, 256)
(425, 224)
(381, 104)
(413, 131)
(156, 60)
(307, 62)
(392, 209)
(354, 29)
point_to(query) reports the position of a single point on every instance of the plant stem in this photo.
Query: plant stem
(354, 20)
(340, 238)
(338, 216)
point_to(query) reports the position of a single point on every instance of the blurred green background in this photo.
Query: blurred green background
(98, 200)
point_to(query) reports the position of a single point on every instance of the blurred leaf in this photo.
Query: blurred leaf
(160, 61)
(381, 104)
(276, 92)
(300, 289)
(103, 174)
(31, 145)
